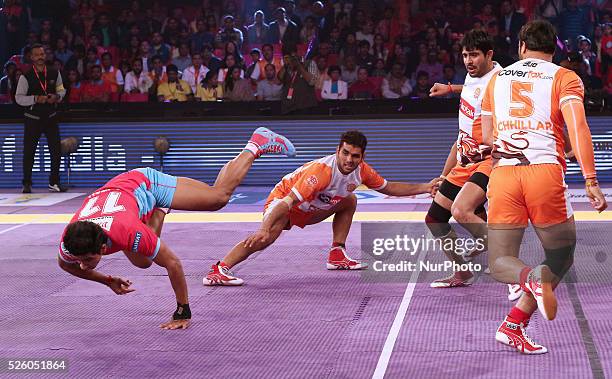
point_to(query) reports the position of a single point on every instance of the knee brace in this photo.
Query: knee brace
(560, 260)
(437, 220)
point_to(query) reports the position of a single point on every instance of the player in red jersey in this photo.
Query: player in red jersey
(126, 215)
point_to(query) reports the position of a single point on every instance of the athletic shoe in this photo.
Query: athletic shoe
(514, 335)
(454, 280)
(57, 188)
(539, 283)
(338, 260)
(220, 275)
(268, 142)
(514, 292)
(27, 188)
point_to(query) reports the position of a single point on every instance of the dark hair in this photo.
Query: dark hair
(156, 57)
(229, 80)
(171, 68)
(539, 36)
(267, 44)
(363, 43)
(422, 74)
(448, 65)
(96, 66)
(84, 237)
(477, 40)
(36, 46)
(105, 54)
(355, 138)
(334, 68)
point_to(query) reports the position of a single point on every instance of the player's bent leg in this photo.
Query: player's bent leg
(193, 195)
(220, 274)
(138, 260)
(464, 209)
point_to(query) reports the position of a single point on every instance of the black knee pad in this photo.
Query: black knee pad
(560, 260)
(480, 209)
(449, 190)
(480, 179)
(437, 220)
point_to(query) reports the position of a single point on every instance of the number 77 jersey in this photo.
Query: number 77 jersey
(525, 101)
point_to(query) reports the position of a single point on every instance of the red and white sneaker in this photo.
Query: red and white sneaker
(514, 292)
(338, 260)
(539, 283)
(456, 279)
(220, 275)
(266, 141)
(514, 335)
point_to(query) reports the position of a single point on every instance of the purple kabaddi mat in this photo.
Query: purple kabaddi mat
(291, 319)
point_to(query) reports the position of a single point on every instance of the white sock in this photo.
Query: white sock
(253, 148)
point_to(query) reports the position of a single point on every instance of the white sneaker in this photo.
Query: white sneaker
(514, 292)
(539, 283)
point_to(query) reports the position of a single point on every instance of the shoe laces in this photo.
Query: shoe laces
(526, 336)
(225, 270)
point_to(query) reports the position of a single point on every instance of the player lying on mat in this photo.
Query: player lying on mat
(126, 215)
(309, 195)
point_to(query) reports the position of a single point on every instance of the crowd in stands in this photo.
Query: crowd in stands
(297, 51)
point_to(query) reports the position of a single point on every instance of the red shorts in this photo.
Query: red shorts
(536, 193)
(297, 216)
(460, 175)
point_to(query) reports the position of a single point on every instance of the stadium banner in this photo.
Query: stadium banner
(401, 149)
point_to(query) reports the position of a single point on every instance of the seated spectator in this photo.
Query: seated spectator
(232, 48)
(62, 52)
(159, 48)
(335, 43)
(145, 55)
(136, 81)
(209, 88)
(73, 86)
(334, 88)
(111, 74)
(91, 60)
(309, 31)
(255, 58)
(209, 60)
(421, 90)
(268, 58)
(96, 90)
(379, 70)
(228, 33)
(174, 89)
(450, 77)
(258, 32)
(379, 51)
(318, 69)
(7, 83)
(106, 30)
(58, 65)
(228, 62)
(236, 87)
(349, 70)
(363, 88)
(364, 58)
(270, 88)
(432, 67)
(157, 70)
(396, 85)
(298, 91)
(196, 72)
(350, 48)
(201, 37)
(364, 32)
(184, 59)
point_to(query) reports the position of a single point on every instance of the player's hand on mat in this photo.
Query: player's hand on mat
(439, 89)
(120, 286)
(175, 324)
(596, 197)
(260, 236)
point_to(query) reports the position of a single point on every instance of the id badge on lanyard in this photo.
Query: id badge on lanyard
(290, 90)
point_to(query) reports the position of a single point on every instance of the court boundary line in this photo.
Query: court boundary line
(398, 321)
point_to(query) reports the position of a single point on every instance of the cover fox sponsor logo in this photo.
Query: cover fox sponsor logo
(524, 74)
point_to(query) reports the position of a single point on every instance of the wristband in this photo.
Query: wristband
(182, 312)
(109, 280)
(450, 87)
(592, 182)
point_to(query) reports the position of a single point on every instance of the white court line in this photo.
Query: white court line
(385, 355)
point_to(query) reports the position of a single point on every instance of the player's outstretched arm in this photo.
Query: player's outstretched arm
(409, 189)
(118, 285)
(439, 89)
(451, 160)
(276, 215)
(582, 147)
(182, 316)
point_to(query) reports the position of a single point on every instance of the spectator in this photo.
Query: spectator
(364, 58)
(157, 71)
(365, 33)
(209, 60)
(350, 48)
(8, 82)
(268, 58)
(255, 59)
(334, 88)
(209, 88)
(284, 31)
(303, 9)
(137, 81)
(228, 33)
(236, 87)
(379, 69)
(107, 31)
(486, 15)
(77, 60)
(309, 31)
(432, 67)
(196, 72)
(184, 59)
(258, 32)
(550, 10)
(201, 37)
(396, 85)
(229, 61)
(584, 48)
(421, 90)
(450, 77)
(111, 74)
(298, 92)
(145, 54)
(96, 90)
(388, 26)
(232, 49)
(363, 88)
(573, 22)
(510, 23)
(350, 70)
(173, 29)
(74, 86)
(270, 88)
(159, 48)
(175, 89)
(335, 41)
(289, 6)
(91, 59)
(149, 24)
(61, 51)
(378, 49)
(318, 69)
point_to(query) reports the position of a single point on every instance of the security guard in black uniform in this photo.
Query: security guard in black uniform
(38, 91)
